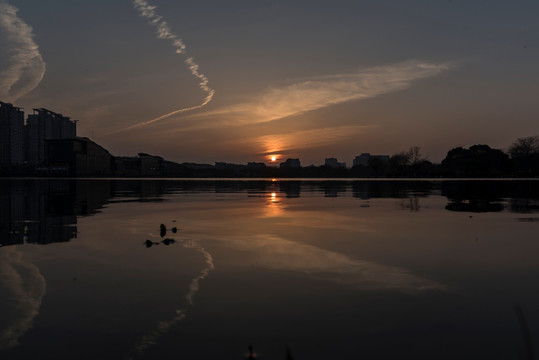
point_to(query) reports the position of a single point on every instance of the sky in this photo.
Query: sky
(239, 81)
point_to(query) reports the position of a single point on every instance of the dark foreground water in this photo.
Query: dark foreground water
(326, 269)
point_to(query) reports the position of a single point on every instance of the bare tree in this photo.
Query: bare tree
(524, 147)
(414, 156)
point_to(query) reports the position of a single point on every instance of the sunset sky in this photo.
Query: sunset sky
(239, 81)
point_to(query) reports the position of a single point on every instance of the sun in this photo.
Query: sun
(273, 158)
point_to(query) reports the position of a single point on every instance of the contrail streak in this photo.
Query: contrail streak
(164, 326)
(26, 67)
(163, 32)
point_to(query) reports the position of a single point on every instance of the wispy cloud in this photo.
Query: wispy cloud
(164, 32)
(25, 65)
(290, 142)
(320, 92)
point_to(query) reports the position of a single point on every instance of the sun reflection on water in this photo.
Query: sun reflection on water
(274, 206)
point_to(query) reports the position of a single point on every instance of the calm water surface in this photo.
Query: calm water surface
(327, 269)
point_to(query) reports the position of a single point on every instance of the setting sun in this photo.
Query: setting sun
(273, 158)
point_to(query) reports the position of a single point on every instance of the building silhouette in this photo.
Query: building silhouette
(45, 125)
(364, 158)
(11, 135)
(76, 156)
(256, 165)
(334, 163)
(290, 164)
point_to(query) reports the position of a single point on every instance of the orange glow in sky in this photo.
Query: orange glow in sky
(301, 101)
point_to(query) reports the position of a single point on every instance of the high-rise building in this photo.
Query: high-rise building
(44, 125)
(11, 134)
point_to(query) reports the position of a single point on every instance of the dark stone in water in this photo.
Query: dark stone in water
(150, 243)
(163, 230)
(168, 241)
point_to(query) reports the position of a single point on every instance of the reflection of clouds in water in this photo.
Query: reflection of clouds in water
(312, 219)
(274, 252)
(164, 326)
(326, 220)
(22, 286)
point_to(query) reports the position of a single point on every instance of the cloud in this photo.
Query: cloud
(163, 32)
(25, 65)
(288, 142)
(292, 99)
(24, 287)
(320, 92)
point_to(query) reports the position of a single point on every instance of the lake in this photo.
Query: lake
(297, 269)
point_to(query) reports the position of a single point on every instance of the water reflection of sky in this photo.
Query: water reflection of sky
(23, 289)
(273, 207)
(272, 264)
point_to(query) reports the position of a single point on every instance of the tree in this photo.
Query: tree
(478, 160)
(377, 166)
(414, 155)
(400, 159)
(398, 163)
(524, 147)
(415, 158)
(525, 155)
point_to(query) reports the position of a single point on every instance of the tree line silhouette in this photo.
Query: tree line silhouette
(520, 160)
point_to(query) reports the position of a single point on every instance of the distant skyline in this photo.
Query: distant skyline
(241, 81)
